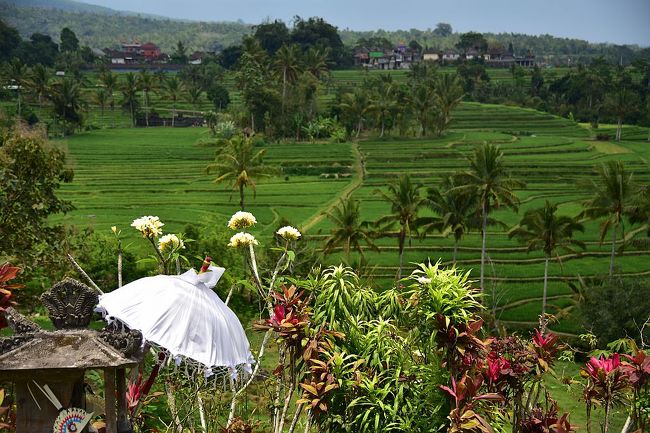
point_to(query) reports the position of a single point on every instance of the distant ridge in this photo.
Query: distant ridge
(75, 6)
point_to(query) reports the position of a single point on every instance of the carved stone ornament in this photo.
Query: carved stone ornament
(24, 330)
(127, 341)
(70, 304)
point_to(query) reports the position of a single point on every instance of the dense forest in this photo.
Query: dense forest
(99, 28)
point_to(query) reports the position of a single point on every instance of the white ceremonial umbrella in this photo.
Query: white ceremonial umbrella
(182, 314)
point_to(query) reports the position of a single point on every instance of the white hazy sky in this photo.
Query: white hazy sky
(615, 21)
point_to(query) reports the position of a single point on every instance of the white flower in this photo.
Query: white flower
(171, 241)
(241, 220)
(149, 226)
(242, 239)
(114, 229)
(289, 233)
(424, 280)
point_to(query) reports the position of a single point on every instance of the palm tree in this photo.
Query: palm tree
(613, 193)
(287, 65)
(148, 83)
(355, 107)
(173, 89)
(448, 93)
(130, 95)
(241, 165)
(101, 98)
(349, 231)
(623, 101)
(489, 181)
(194, 95)
(315, 61)
(16, 73)
(39, 82)
(405, 203)
(455, 210)
(542, 229)
(383, 101)
(421, 101)
(68, 103)
(109, 81)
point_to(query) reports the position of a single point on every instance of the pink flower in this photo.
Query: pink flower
(607, 365)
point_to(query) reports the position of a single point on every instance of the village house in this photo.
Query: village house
(430, 55)
(136, 53)
(450, 55)
(401, 57)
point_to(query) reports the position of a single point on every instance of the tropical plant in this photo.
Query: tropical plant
(148, 83)
(354, 109)
(489, 180)
(39, 82)
(612, 194)
(241, 165)
(101, 98)
(16, 73)
(109, 82)
(456, 212)
(66, 97)
(405, 203)
(382, 102)
(286, 64)
(606, 385)
(129, 90)
(542, 229)
(448, 93)
(172, 89)
(315, 61)
(349, 232)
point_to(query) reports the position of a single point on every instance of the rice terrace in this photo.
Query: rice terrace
(294, 225)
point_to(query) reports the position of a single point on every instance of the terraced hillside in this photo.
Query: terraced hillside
(125, 173)
(554, 158)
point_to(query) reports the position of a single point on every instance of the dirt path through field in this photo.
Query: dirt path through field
(357, 181)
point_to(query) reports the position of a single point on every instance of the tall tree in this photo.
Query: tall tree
(241, 165)
(355, 108)
(349, 231)
(315, 61)
(286, 64)
(489, 180)
(16, 74)
(405, 204)
(422, 103)
(39, 82)
(68, 102)
(129, 90)
(382, 102)
(172, 88)
(543, 230)
(443, 30)
(109, 83)
(622, 100)
(613, 191)
(69, 41)
(193, 95)
(179, 56)
(448, 93)
(148, 83)
(272, 35)
(455, 210)
(100, 97)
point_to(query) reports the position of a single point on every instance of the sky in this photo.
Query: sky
(614, 21)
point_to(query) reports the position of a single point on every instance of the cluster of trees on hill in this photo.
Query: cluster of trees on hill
(594, 93)
(100, 30)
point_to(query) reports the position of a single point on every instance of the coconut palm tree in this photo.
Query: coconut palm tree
(173, 89)
(129, 90)
(349, 231)
(109, 82)
(355, 107)
(315, 61)
(240, 164)
(193, 95)
(101, 98)
(148, 83)
(622, 101)
(613, 192)
(286, 64)
(448, 93)
(405, 204)
(543, 230)
(16, 73)
(39, 82)
(422, 101)
(490, 182)
(383, 102)
(65, 95)
(455, 210)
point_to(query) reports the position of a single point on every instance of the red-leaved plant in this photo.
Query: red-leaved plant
(606, 385)
(7, 273)
(465, 394)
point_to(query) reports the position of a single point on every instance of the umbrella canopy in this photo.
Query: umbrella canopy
(182, 314)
